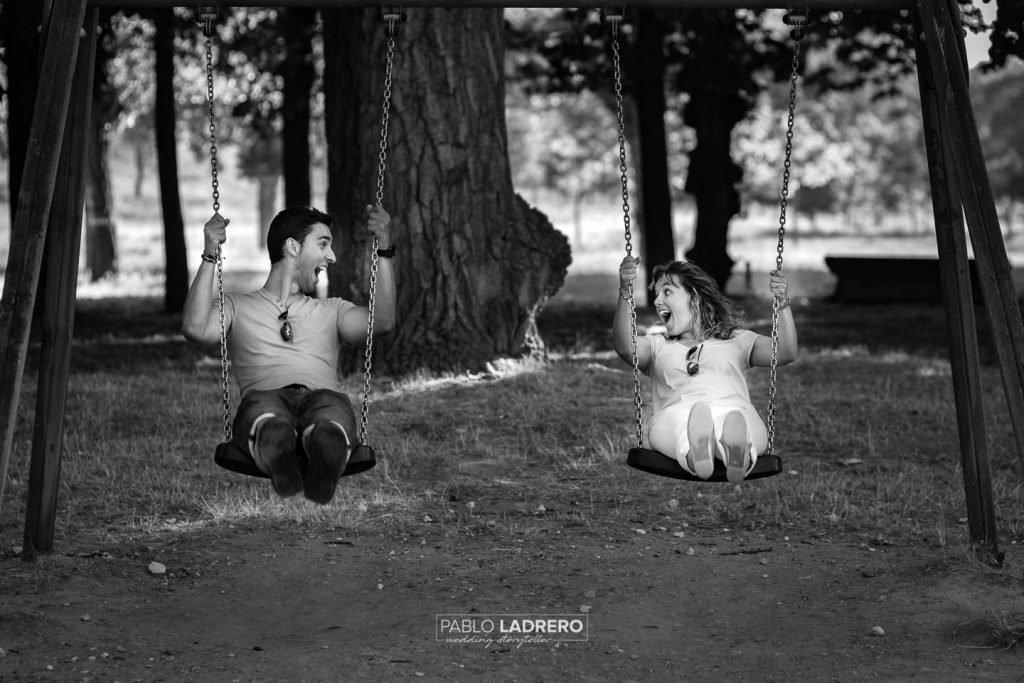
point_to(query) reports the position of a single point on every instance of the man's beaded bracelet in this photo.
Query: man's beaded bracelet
(209, 258)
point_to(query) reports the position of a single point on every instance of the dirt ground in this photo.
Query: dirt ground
(663, 600)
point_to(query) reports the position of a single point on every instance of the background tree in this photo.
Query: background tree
(268, 54)
(475, 262)
(564, 148)
(176, 262)
(720, 60)
(999, 101)
(704, 55)
(18, 23)
(260, 159)
(717, 68)
(568, 52)
(1007, 31)
(825, 155)
(299, 76)
(100, 241)
(130, 71)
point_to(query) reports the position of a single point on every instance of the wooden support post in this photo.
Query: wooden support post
(958, 299)
(942, 37)
(28, 230)
(63, 242)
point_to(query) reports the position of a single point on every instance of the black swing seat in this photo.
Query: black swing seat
(653, 462)
(231, 457)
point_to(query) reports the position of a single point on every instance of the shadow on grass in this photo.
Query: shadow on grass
(130, 333)
(577, 326)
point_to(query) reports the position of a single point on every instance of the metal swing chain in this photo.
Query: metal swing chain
(638, 403)
(392, 18)
(798, 20)
(207, 16)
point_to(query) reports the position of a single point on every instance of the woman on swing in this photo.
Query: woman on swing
(284, 345)
(702, 407)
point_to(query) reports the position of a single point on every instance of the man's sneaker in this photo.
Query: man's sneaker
(276, 445)
(328, 449)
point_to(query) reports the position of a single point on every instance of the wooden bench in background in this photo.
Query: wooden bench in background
(891, 279)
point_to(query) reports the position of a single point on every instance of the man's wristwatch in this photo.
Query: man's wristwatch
(386, 253)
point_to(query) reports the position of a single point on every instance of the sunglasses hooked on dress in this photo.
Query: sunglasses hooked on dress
(693, 359)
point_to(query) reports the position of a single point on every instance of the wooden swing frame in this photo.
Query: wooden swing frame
(51, 199)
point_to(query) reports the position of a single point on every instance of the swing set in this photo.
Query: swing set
(768, 464)
(51, 198)
(228, 455)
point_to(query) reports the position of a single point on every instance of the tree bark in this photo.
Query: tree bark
(176, 263)
(299, 74)
(475, 263)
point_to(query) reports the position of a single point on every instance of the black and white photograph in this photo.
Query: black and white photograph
(666, 340)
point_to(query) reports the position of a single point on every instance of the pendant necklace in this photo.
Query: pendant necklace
(286, 326)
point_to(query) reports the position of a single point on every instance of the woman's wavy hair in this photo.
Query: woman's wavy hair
(719, 317)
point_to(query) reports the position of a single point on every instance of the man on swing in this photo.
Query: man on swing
(284, 344)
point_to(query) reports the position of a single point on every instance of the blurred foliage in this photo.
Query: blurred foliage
(999, 100)
(850, 150)
(1007, 36)
(561, 142)
(247, 50)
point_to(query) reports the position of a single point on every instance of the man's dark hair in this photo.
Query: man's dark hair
(295, 222)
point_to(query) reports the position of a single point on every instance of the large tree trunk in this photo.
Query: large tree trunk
(298, 71)
(176, 264)
(647, 70)
(100, 241)
(475, 264)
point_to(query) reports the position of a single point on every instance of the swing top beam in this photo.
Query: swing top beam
(827, 5)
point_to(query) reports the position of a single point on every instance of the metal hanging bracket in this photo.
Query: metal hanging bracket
(613, 16)
(206, 15)
(392, 16)
(798, 20)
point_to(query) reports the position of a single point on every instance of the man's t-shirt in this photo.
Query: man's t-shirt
(262, 360)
